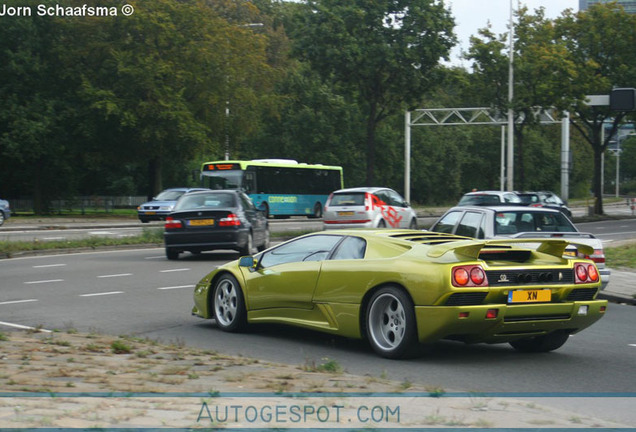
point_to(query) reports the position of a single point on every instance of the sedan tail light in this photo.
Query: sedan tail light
(598, 256)
(230, 220)
(172, 223)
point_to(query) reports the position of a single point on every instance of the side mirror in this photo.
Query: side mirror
(248, 261)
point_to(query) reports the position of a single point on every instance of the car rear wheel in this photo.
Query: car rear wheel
(172, 254)
(228, 304)
(265, 244)
(390, 323)
(248, 249)
(1, 218)
(382, 224)
(317, 213)
(413, 224)
(544, 343)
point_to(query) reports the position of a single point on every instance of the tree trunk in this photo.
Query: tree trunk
(155, 175)
(371, 123)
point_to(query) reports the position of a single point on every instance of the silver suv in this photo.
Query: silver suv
(368, 207)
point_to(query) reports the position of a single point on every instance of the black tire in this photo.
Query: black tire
(248, 248)
(265, 244)
(413, 224)
(390, 323)
(1, 218)
(265, 210)
(228, 304)
(382, 223)
(172, 253)
(144, 220)
(545, 343)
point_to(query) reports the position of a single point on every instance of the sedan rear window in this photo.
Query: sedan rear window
(214, 200)
(347, 199)
(517, 222)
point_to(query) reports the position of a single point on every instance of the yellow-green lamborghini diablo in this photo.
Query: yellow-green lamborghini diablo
(398, 287)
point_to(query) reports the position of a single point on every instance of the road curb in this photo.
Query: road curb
(617, 298)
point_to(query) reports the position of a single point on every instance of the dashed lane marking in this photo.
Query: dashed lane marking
(43, 281)
(23, 327)
(101, 294)
(114, 275)
(176, 287)
(18, 301)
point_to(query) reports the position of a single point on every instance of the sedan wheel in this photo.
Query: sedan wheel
(172, 254)
(1, 218)
(229, 306)
(390, 323)
(265, 244)
(248, 249)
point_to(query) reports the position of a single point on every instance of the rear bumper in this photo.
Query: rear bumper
(605, 277)
(199, 241)
(512, 321)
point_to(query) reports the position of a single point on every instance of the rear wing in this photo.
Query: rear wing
(552, 234)
(470, 249)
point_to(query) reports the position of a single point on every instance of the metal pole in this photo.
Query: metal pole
(510, 182)
(565, 156)
(618, 163)
(407, 156)
(502, 173)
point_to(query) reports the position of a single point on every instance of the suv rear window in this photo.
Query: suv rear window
(347, 199)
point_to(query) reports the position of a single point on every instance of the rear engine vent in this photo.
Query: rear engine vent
(582, 294)
(505, 255)
(466, 299)
(530, 277)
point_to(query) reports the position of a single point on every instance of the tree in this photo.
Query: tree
(600, 43)
(539, 67)
(383, 54)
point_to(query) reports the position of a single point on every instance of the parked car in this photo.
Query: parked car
(162, 204)
(368, 207)
(489, 198)
(5, 211)
(400, 287)
(521, 223)
(544, 199)
(220, 219)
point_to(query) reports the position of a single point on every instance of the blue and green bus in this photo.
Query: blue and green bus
(279, 187)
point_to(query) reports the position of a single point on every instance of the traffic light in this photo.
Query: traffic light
(623, 99)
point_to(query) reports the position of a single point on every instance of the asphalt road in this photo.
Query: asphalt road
(140, 292)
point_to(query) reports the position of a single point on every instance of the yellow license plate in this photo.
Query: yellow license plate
(201, 222)
(345, 213)
(529, 296)
(569, 253)
(151, 213)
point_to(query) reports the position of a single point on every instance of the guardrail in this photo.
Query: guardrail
(80, 204)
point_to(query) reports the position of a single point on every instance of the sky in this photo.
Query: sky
(471, 15)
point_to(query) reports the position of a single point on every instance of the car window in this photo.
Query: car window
(479, 200)
(347, 199)
(382, 196)
(216, 200)
(312, 248)
(247, 202)
(350, 248)
(447, 222)
(469, 225)
(169, 195)
(512, 198)
(395, 199)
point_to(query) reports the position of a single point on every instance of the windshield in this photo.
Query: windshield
(169, 195)
(222, 180)
(512, 222)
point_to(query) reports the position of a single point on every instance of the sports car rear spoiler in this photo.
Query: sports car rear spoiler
(471, 249)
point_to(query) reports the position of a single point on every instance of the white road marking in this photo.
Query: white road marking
(53, 238)
(176, 287)
(114, 275)
(156, 257)
(43, 281)
(49, 265)
(101, 233)
(174, 270)
(23, 327)
(101, 294)
(634, 345)
(18, 301)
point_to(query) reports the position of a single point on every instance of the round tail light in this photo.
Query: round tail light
(581, 273)
(592, 273)
(477, 276)
(461, 276)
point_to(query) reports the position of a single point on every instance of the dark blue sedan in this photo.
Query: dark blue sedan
(219, 219)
